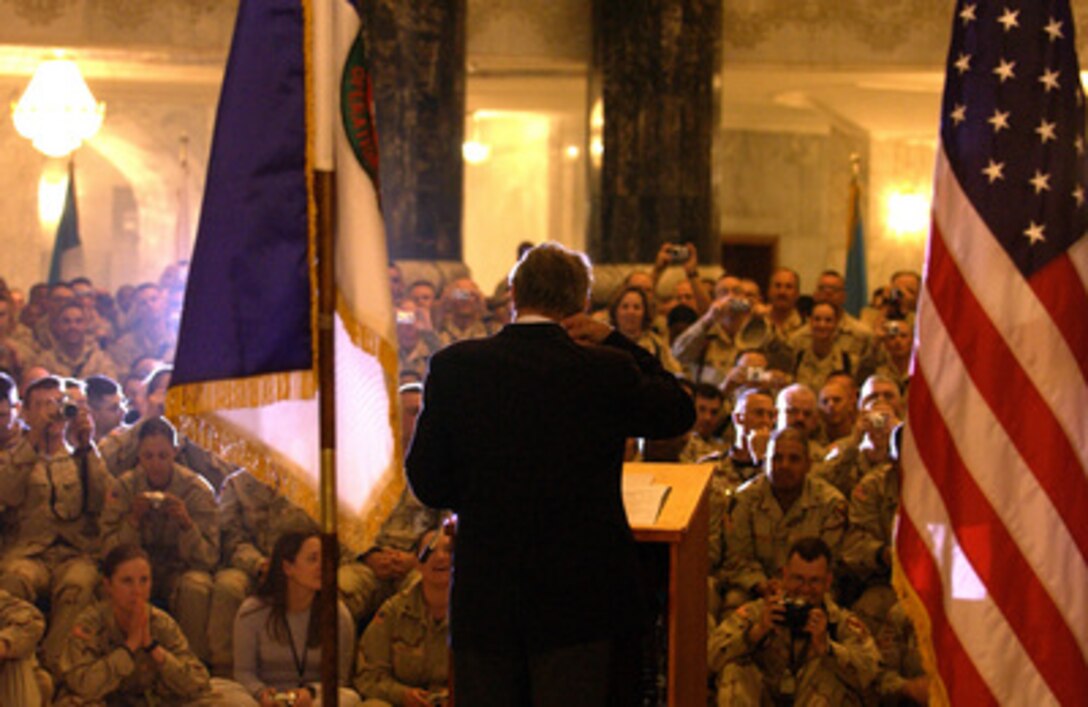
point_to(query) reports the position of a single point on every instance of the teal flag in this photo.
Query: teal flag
(67, 241)
(857, 285)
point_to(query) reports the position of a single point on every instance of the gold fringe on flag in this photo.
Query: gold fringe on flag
(390, 485)
(239, 447)
(237, 393)
(923, 631)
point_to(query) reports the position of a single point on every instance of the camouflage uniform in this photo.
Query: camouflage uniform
(181, 559)
(854, 337)
(660, 350)
(698, 448)
(761, 533)
(137, 343)
(252, 516)
(119, 449)
(706, 351)
(53, 505)
(728, 476)
(22, 682)
(416, 360)
(402, 648)
(97, 669)
(899, 657)
(90, 361)
(360, 588)
(814, 371)
(450, 332)
(760, 674)
(873, 505)
(845, 465)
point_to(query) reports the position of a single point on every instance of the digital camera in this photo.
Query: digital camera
(155, 498)
(678, 253)
(795, 617)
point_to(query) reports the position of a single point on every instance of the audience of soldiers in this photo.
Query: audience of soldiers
(137, 567)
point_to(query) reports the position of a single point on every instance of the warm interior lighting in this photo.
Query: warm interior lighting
(57, 111)
(573, 152)
(907, 214)
(52, 190)
(473, 150)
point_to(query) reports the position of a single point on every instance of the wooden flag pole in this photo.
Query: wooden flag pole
(321, 16)
(325, 193)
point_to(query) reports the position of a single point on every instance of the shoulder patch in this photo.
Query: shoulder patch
(81, 633)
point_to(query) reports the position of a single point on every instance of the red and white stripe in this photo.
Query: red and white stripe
(993, 534)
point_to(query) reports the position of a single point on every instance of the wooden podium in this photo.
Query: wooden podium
(678, 541)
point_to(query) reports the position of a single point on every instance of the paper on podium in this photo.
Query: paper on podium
(642, 498)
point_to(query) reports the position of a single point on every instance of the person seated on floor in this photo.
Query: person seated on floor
(795, 645)
(403, 658)
(169, 511)
(22, 681)
(390, 564)
(119, 450)
(126, 651)
(53, 495)
(277, 634)
(252, 516)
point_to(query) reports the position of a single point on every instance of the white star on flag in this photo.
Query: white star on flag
(1078, 195)
(1008, 20)
(1000, 120)
(967, 14)
(1005, 70)
(1040, 181)
(1034, 233)
(1054, 29)
(1050, 80)
(963, 63)
(1046, 131)
(1079, 144)
(959, 114)
(994, 171)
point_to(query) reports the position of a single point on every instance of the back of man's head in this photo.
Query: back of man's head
(552, 280)
(100, 387)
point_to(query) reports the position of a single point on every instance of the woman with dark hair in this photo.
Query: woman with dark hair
(277, 641)
(125, 651)
(630, 314)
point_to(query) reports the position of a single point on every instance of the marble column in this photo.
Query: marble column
(417, 57)
(654, 65)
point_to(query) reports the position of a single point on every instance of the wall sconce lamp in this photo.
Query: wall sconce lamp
(908, 214)
(473, 150)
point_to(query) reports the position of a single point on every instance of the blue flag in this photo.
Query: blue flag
(857, 285)
(248, 301)
(67, 242)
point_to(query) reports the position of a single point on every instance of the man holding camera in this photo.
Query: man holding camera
(795, 645)
(708, 348)
(54, 495)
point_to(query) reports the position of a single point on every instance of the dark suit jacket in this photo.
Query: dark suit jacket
(522, 434)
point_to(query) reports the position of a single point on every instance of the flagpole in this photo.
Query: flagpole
(324, 177)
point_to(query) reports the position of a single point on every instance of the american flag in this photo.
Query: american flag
(993, 531)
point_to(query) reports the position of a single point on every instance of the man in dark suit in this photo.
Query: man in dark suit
(522, 434)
